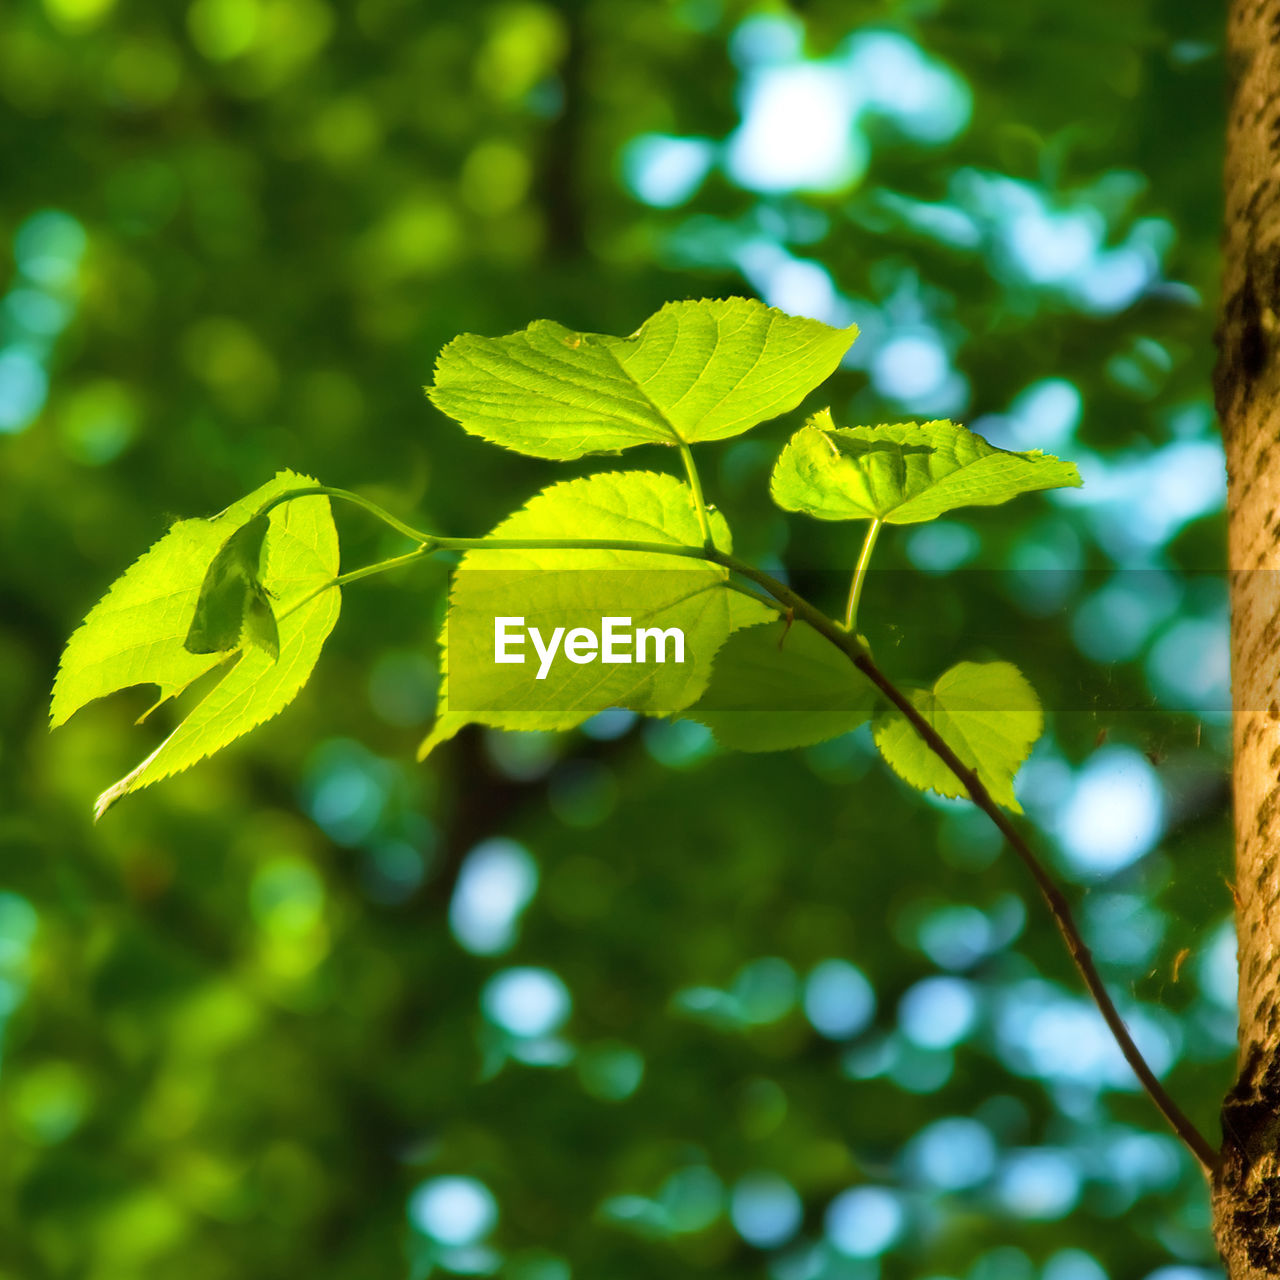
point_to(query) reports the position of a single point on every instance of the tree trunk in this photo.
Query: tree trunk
(1247, 1190)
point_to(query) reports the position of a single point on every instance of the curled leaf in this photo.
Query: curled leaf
(233, 603)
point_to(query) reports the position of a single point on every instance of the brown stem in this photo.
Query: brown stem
(1081, 957)
(853, 648)
(1060, 909)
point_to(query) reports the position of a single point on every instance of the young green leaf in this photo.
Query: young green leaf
(986, 712)
(904, 473)
(136, 634)
(774, 688)
(574, 588)
(260, 626)
(232, 601)
(694, 371)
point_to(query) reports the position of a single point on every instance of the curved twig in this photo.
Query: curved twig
(1059, 908)
(856, 651)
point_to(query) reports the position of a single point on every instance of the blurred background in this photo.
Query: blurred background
(609, 1003)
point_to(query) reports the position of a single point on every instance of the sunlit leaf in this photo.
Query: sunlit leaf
(136, 635)
(986, 712)
(577, 588)
(904, 473)
(694, 371)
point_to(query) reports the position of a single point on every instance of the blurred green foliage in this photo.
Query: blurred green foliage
(602, 1004)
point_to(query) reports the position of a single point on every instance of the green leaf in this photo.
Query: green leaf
(778, 687)
(136, 634)
(694, 371)
(986, 712)
(904, 473)
(580, 588)
(232, 600)
(260, 626)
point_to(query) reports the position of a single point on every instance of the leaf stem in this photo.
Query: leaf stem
(860, 575)
(354, 575)
(382, 566)
(570, 544)
(699, 502)
(346, 495)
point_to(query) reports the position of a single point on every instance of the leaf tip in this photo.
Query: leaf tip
(118, 790)
(105, 801)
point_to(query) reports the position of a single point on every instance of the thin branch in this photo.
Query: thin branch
(848, 643)
(1059, 908)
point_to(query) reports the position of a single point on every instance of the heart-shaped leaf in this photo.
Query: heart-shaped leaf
(986, 712)
(904, 473)
(570, 589)
(694, 371)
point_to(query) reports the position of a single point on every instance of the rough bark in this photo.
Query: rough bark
(1247, 1190)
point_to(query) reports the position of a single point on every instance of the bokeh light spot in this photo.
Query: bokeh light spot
(1115, 812)
(838, 1000)
(938, 1012)
(952, 1154)
(453, 1210)
(527, 1002)
(864, 1221)
(498, 880)
(765, 1209)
